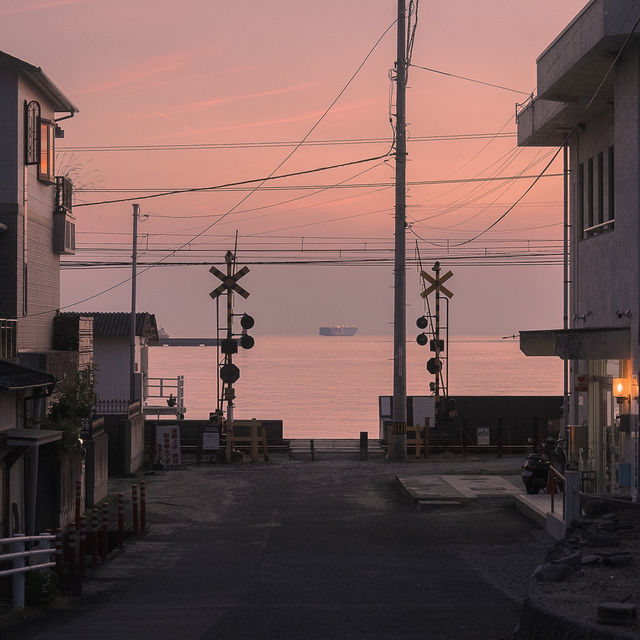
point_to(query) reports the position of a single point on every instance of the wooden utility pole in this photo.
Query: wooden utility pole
(399, 416)
(132, 335)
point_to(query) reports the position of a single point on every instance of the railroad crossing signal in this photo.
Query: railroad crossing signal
(229, 283)
(436, 284)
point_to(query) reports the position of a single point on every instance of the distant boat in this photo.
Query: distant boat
(339, 330)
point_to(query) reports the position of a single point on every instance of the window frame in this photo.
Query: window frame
(46, 172)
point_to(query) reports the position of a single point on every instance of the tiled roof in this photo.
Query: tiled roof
(119, 323)
(14, 377)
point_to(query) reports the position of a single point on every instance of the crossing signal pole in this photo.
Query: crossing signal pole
(229, 372)
(399, 417)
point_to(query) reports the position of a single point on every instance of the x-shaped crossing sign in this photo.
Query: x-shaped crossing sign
(436, 284)
(229, 283)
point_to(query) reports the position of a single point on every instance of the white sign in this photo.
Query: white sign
(210, 440)
(168, 445)
(483, 436)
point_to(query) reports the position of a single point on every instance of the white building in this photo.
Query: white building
(588, 100)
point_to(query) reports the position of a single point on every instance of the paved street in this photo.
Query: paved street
(305, 550)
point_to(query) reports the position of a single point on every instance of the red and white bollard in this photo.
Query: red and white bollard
(93, 543)
(58, 551)
(78, 502)
(104, 547)
(134, 509)
(143, 507)
(72, 547)
(121, 520)
(82, 547)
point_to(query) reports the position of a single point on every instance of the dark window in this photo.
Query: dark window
(46, 168)
(590, 193)
(580, 195)
(32, 133)
(611, 185)
(600, 188)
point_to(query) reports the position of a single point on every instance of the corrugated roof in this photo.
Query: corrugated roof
(118, 323)
(13, 377)
(60, 102)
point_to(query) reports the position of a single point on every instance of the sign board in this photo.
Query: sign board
(483, 436)
(168, 445)
(211, 440)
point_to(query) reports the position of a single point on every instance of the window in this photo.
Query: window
(598, 212)
(46, 169)
(610, 181)
(31, 139)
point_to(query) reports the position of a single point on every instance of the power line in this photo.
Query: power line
(205, 146)
(488, 84)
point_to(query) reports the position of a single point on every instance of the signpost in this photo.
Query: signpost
(434, 365)
(229, 372)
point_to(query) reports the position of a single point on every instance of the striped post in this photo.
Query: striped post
(58, 551)
(94, 538)
(121, 520)
(104, 546)
(72, 548)
(78, 501)
(143, 507)
(82, 547)
(134, 509)
(18, 578)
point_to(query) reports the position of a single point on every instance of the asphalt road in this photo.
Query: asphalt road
(305, 550)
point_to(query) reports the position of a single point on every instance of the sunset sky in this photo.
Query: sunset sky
(177, 95)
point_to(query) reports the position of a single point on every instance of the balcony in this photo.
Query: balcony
(64, 225)
(8, 339)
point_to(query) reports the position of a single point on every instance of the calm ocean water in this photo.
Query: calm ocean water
(329, 386)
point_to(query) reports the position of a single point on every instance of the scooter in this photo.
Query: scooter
(535, 472)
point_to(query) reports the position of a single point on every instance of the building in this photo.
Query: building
(36, 228)
(120, 405)
(588, 101)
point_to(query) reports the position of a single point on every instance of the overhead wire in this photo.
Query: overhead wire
(269, 177)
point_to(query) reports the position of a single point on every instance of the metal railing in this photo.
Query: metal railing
(18, 555)
(571, 508)
(8, 339)
(168, 392)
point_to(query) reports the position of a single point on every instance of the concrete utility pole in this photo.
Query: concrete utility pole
(132, 334)
(399, 416)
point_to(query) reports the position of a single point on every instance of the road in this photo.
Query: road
(302, 550)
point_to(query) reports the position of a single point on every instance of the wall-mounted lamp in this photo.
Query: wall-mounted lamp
(623, 314)
(621, 389)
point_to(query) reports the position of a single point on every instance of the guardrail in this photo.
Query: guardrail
(18, 555)
(571, 493)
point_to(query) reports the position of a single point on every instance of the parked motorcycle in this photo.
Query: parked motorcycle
(535, 472)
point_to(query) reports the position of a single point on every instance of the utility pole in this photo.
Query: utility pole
(132, 334)
(399, 416)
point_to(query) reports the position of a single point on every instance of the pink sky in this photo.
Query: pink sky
(198, 72)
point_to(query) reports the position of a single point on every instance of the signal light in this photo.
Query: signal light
(247, 341)
(229, 373)
(247, 321)
(422, 339)
(422, 322)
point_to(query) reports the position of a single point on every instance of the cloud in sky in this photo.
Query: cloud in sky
(247, 96)
(50, 4)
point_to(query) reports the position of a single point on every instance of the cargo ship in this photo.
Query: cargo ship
(339, 330)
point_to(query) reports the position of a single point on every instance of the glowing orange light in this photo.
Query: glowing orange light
(620, 388)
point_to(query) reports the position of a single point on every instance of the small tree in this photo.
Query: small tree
(73, 405)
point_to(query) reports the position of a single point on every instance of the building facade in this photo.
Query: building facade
(36, 227)
(588, 101)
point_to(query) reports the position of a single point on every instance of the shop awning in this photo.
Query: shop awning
(29, 437)
(608, 343)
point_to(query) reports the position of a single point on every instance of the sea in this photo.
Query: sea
(328, 386)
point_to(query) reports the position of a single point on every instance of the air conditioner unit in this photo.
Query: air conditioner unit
(64, 232)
